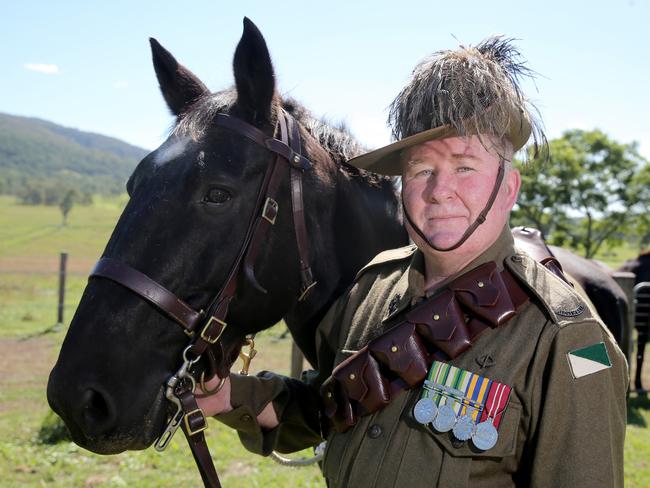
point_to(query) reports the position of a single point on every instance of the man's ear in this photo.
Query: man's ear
(511, 186)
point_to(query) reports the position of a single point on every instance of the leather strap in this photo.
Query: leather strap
(553, 265)
(148, 289)
(306, 277)
(194, 424)
(271, 143)
(269, 210)
(532, 242)
(440, 328)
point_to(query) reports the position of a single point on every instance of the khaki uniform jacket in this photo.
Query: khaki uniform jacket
(557, 430)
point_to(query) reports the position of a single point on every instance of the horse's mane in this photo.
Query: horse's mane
(335, 139)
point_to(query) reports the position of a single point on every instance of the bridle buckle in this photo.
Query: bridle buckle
(200, 417)
(270, 210)
(204, 332)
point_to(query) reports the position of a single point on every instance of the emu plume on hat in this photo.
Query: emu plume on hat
(467, 91)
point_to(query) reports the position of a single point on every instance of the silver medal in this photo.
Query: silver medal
(464, 428)
(485, 435)
(425, 410)
(445, 419)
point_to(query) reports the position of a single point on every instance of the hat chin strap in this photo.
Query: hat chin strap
(470, 230)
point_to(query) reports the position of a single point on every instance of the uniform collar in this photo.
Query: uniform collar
(409, 289)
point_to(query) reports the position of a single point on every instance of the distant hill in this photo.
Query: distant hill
(37, 152)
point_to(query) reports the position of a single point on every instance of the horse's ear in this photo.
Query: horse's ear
(254, 75)
(180, 87)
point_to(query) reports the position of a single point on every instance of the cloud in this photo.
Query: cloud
(48, 69)
(121, 84)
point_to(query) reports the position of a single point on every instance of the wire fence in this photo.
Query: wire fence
(35, 298)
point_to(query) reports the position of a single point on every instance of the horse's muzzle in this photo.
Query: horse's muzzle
(91, 415)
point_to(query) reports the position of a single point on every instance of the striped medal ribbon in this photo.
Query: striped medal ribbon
(463, 402)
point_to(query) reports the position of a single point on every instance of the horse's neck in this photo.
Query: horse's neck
(366, 221)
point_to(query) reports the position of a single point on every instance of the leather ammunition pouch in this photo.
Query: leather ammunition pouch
(442, 327)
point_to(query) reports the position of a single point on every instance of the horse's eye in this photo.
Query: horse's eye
(218, 196)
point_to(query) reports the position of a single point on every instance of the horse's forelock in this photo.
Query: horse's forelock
(196, 121)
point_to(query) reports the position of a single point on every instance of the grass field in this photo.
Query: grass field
(30, 241)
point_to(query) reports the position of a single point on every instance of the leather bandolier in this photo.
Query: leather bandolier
(440, 328)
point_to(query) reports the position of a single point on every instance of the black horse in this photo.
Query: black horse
(640, 266)
(184, 225)
(190, 203)
(605, 293)
(608, 297)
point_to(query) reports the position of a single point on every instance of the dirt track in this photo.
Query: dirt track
(26, 363)
(44, 265)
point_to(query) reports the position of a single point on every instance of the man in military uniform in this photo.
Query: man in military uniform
(457, 361)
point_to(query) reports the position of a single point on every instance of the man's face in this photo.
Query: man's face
(446, 184)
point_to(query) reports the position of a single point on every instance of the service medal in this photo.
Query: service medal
(469, 405)
(445, 419)
(464, 428)
(485, 435)
(425, 410)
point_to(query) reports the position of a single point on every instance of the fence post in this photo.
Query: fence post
(625, 280)
(296, 360)
(62, 269)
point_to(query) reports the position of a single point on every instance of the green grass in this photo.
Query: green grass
(614, 258)
(28, 302)
(637, 443)
(26, 463)
(36, 232)
(30, 241)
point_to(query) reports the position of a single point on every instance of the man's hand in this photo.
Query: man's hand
(219, 403)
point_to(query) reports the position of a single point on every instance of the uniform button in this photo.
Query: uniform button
(245, 418)
(374, 431)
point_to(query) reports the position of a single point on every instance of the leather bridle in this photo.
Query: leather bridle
(205, 327)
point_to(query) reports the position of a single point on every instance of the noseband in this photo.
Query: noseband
(205, 327)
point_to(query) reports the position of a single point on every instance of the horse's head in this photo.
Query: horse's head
(192, 202)
(639, 265)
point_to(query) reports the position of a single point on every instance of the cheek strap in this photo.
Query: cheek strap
(470, 230)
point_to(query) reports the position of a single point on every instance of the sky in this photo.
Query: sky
(87, 65)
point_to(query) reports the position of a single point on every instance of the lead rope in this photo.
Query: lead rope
(319, 452)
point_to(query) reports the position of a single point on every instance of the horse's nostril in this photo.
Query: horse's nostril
(98, 413)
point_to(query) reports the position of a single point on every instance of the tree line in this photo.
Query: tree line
(591, 193)
(53, 193)
(43, 192)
